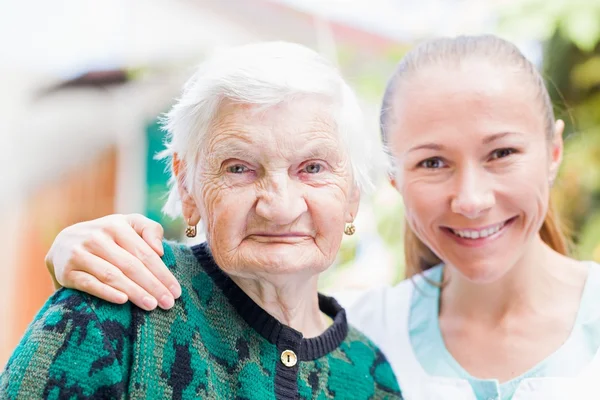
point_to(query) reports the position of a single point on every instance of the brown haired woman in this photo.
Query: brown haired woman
(495, 308)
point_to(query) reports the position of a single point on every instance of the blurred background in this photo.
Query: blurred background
(83, 81)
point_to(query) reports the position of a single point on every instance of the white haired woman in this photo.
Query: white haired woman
(263, 150)
(496, 309)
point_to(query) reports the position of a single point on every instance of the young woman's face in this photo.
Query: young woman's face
(474, 164)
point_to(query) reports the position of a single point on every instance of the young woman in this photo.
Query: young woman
(496, 309)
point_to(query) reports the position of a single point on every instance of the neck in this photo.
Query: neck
(536, 281)
(292, 300)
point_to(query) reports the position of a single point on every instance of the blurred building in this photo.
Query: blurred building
(85, 81)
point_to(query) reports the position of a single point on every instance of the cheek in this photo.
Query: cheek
(528, 186)
(225, 211)
(420, 202)
(327, 210)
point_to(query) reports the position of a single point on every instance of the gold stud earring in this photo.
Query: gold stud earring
(190, 231)
(350, 229)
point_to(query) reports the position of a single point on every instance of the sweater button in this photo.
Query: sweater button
(288, 358)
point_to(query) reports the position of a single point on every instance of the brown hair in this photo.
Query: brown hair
(452, 52)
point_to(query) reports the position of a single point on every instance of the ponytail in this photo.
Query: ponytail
(417, 256)
(552, 232)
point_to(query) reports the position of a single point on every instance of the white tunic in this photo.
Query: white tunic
(383, 315)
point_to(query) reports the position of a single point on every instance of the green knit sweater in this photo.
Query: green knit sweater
(215, 343)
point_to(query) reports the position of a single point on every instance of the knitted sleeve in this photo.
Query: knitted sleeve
(71, 351)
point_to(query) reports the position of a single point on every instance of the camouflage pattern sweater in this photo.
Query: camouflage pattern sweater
(215, 343)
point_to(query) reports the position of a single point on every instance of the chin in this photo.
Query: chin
(282, 259)
(483, 272)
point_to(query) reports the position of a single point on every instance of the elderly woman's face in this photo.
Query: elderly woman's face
(274, 188)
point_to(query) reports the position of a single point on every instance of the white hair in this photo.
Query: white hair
(263, 74)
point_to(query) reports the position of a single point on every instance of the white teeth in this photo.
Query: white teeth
(476, 234)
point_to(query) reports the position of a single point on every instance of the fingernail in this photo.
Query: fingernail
(175, 291)
(166, 302)
(158, 244)
(149, 303)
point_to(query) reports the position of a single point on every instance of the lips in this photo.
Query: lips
(280, 235)
(288, 238)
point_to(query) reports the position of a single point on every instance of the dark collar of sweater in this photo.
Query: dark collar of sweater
(283, 336)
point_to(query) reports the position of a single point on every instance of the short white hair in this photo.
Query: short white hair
(263, 74)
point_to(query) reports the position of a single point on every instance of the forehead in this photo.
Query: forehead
(287, 127)
(475, 98)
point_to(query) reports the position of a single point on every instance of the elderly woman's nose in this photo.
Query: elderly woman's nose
(280, 201)
(472, 195)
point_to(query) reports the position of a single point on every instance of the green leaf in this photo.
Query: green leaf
(582, 26)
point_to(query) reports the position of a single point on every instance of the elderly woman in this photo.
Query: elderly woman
(496, 309)
(263, 151)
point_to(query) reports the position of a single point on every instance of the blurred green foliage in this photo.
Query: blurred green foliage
(570, 33)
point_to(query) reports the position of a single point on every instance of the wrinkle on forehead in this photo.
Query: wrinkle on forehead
(277, 132)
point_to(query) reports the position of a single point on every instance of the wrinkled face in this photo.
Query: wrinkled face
(474, 163)
(274, 188)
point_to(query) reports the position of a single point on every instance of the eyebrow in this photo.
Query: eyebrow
(497, 136)
(230, 146)
(487, 140)
(321, 150)
(234, 149)
(427, 146)
(231, 149)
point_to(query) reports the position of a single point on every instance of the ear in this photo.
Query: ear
(188, 204)
(556, 150)
(353, 203)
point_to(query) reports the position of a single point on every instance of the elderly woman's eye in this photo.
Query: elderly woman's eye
(432, 163)
(237, 169)
(313, 168)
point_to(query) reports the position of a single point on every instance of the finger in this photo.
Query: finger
(89, 284)
(109, 274)
(151, 231)
(139, 248)
(131, 256)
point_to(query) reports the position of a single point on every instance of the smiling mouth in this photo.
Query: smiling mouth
(481, 233)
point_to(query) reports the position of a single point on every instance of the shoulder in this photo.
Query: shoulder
(185, 262)
(70, 311)
(70, 345)
(178, 257)
(196, 272)
(590, 313)
(69, 308)
(362, 351)
(383, 313)
(377, 304)
(594, 269)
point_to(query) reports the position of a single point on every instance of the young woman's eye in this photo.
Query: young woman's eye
(432, 163)
(237, 169)
(312, 168)
(502, 153)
